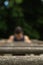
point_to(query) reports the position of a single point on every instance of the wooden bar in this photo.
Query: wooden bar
(21, 60)
(21, 48)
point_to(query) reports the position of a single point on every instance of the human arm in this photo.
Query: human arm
(10, 39)
(27, 39)
(5, 41)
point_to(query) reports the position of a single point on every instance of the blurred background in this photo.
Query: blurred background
(25, 13)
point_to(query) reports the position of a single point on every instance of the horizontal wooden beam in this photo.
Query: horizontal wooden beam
(21, 60)
(37, 41)
(21, 48)
(20, 44)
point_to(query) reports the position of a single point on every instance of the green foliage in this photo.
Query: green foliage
(18, 1)
(33, 33)
(40, 20)
(11, 3)
(15, 12)
(3, 13)
(3, 26)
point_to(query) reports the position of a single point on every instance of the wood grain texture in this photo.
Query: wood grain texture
(21, 48)
(21, 60)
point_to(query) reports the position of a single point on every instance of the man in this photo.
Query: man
(19, 36)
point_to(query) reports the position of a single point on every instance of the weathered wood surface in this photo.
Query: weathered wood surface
(21, 60)
(37, 41)
(21, 48)
(35, 47)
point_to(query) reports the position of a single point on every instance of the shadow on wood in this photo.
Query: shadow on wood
(21, 48)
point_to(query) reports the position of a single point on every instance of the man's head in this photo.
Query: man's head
(18, 31)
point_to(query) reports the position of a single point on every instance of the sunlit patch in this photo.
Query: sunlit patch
(6, 3)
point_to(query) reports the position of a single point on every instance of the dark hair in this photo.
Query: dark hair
(18, 30)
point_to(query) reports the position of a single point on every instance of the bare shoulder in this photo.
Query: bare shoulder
(11, 37)
(27, 39)
(25, 36)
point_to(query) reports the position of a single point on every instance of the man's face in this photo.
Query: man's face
(18, 35)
